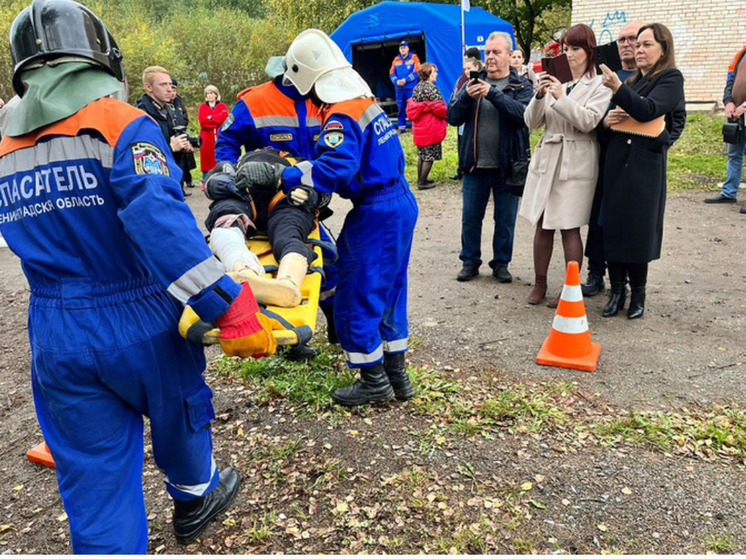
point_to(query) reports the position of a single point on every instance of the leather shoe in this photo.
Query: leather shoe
(468, 273)
(502, 274)
(593, 285)
(192, 517)
(743, 209)
(720, 199)
(456, 177)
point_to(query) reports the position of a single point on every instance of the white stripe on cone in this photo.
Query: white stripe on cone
(570, 325)
(572, 293)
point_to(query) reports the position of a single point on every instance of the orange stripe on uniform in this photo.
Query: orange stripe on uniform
(266, 100)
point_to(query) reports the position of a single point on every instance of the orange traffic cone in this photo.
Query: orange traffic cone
(569, 342)
(41, 455)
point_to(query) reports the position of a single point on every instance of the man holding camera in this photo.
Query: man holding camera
(734, 99)
(156, 102)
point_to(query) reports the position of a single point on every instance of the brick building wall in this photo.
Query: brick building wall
(707, 34)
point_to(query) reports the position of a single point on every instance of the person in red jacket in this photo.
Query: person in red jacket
(212, 114)
(427, 111)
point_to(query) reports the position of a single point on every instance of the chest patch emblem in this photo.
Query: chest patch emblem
(149, 160)
(228, 122)
(333, 125)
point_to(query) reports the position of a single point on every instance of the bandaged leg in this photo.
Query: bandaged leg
(229, 245)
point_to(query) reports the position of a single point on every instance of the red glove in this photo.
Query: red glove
(242, 332)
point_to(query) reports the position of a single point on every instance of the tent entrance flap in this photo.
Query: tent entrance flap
(372, 60)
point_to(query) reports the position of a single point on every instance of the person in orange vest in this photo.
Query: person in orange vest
(359, 157)
(112, 254)
(404, 74)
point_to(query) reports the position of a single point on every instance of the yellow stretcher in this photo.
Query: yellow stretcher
(300, 321)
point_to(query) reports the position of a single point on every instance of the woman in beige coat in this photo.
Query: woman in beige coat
(564, 168)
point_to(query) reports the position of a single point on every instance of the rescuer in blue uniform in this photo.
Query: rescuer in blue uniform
(87, 183)
(359, 157)
(276, 115)
(404, 75)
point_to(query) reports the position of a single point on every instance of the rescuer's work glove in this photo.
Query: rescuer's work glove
(243, 331)
(259, 173)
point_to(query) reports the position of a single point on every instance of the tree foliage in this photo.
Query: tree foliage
(531, 19)
(200, 42)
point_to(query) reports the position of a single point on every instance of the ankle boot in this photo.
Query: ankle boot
(372, 386)
(396, 370)
(538, 291)
(192, 517)
(636, 302)
(616, 300)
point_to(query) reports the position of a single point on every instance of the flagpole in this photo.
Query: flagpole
(463, 32)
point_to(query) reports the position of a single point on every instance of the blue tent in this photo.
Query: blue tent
(370, 39)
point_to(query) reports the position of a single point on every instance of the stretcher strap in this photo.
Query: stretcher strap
(303, 332)
(325, 245)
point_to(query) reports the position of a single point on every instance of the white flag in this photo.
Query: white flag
(465, 5)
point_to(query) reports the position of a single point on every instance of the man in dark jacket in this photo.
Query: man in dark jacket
(495, 136)
(157, 103)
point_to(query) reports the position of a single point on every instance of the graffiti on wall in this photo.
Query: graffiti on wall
(617, 18)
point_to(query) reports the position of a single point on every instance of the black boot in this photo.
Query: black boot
(396, 370)
(372, 386)
(616, 299)
(636, 302)
(300, 352)
(593, 285)
(192, 517)
(331, 330)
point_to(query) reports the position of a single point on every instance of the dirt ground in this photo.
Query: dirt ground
(688, 351)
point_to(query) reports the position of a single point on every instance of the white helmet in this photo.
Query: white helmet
(314, 59)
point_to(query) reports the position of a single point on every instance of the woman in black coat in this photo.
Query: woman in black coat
(634, 184)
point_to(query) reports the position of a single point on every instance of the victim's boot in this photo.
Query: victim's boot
(192, 517)
(372, 386)
(282, 291)
(396, 369)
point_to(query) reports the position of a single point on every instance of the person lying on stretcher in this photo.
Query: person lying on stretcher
(247, 200)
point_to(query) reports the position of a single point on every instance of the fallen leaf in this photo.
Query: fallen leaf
(602, 527)
(537, 504)
(538, 478)
(18, 488)
(527, 486)
(627, 491)
(62, 517)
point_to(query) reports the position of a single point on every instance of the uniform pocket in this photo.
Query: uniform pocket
(199, 408)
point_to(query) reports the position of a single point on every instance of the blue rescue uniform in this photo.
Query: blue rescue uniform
(359, 157)
(90, 204)
(277, 116)
(404, 69)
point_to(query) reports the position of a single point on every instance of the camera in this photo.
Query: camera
(196, 141)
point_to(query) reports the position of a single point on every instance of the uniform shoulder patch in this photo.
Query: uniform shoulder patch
(228, 122)
(149, 160)
(333, 125)
(333, 139)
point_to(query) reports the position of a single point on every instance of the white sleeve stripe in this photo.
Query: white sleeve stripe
(198, 278)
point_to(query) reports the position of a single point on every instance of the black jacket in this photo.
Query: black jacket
(146, 103)
(511, 103)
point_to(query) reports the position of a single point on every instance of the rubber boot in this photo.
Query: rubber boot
(396, 369)
(616, 300)
(636, 302)
(192, 517)
(283, 291)
(372, 386)
(539, 291)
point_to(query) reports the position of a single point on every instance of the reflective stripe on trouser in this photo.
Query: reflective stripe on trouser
(370, 310)
(95, 373)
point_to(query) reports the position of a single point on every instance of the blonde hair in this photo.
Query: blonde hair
(214, 90)
(148, 75)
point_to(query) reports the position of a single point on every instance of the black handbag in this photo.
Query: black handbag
(517, 174)
(733, 132)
